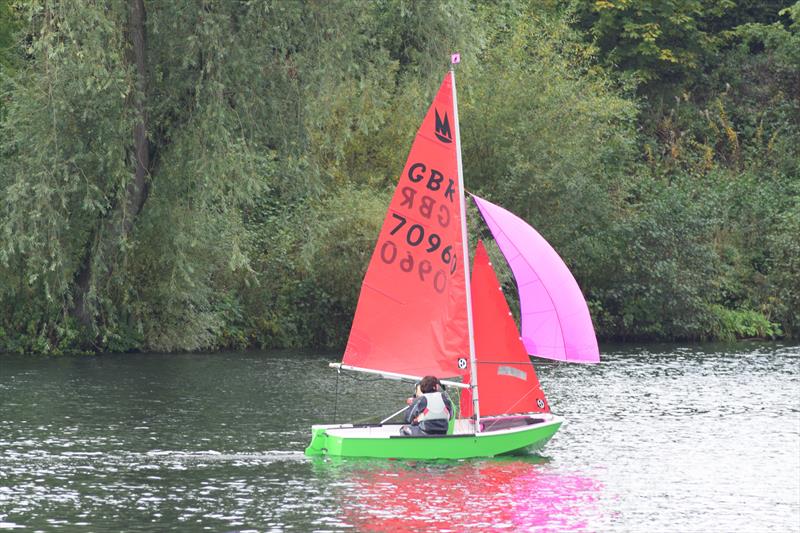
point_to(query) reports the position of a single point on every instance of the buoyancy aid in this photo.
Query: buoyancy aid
(435, 409)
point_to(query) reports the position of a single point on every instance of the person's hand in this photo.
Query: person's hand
(409, 401)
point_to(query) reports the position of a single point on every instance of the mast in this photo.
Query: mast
(465, 254)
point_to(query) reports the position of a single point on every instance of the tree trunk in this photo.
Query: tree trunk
(119, 223)
(136, 192)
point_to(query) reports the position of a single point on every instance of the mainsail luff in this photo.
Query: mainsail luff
(465, 254)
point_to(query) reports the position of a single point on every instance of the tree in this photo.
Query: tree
(665, 43)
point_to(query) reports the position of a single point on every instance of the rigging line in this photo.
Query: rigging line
(523, 363)
(520, 399)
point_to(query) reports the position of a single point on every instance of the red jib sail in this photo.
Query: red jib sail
(411, 314)
(506, 378)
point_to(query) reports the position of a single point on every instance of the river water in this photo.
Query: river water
(657, 438)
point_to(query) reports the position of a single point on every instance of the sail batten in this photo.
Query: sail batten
(556, 323)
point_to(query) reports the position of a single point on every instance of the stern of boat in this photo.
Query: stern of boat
(322, 443)
(319, 440)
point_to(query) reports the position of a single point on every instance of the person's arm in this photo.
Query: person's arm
(416, 409)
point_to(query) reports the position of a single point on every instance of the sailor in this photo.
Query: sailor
(429, 411)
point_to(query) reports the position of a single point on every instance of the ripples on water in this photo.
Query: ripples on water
(656, 439)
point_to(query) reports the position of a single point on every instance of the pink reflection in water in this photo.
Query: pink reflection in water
(515, 495)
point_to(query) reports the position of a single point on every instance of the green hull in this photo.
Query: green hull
(386, 442)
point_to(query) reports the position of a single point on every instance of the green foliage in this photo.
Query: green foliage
(553, 142)
(782, 300)
(655, 285)
(665, 43)
(651, 38)
(63, 143)
(656, 144)
(731, 324)
(9, 27)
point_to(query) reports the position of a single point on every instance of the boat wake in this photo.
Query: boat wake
(213, 455)
(150, 460)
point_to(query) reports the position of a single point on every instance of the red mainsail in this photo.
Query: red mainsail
(507, 380)
(411, 316)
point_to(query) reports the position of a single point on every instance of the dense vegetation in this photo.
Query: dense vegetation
(183, 175)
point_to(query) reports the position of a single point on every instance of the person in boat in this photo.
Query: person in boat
(430, 410)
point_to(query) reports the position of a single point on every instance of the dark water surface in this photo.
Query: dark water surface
(657, 439)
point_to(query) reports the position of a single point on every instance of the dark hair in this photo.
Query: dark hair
(428, 384)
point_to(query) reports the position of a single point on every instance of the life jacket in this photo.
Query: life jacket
(435, 410)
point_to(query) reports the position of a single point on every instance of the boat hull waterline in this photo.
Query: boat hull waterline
(386, 442)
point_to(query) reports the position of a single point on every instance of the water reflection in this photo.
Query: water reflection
(518, 494)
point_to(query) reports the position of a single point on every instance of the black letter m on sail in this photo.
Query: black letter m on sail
(443, 128)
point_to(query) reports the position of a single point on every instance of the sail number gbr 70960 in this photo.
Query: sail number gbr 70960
(416, 237)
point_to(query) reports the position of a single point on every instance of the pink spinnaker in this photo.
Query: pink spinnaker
(555, 318)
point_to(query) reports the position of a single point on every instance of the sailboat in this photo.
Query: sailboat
(420, 312)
